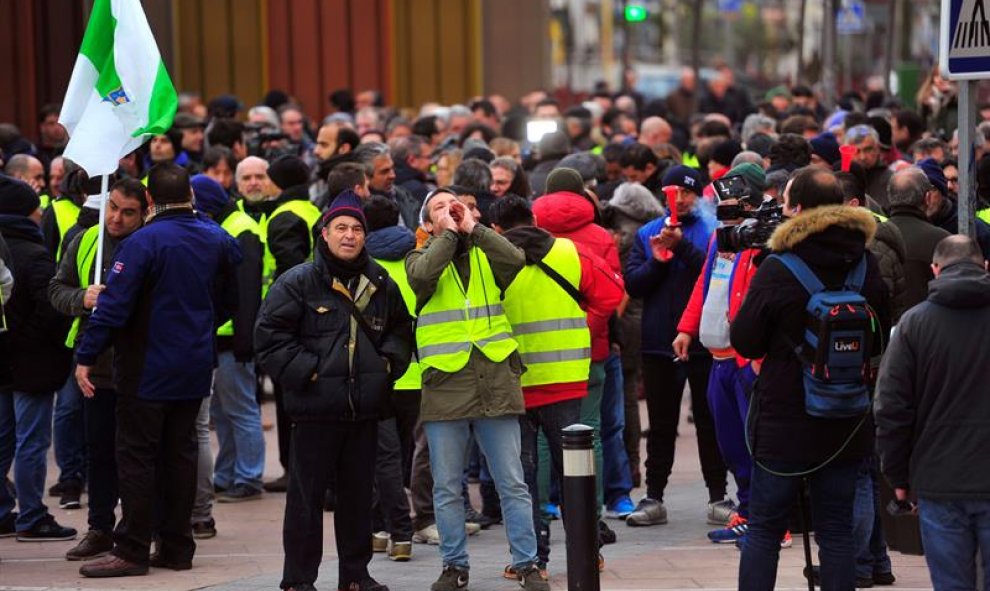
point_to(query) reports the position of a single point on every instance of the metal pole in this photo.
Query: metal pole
(580, 509)
(98, 263)
(967, 168)
(828, 54)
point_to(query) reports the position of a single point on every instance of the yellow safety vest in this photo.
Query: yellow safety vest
(84, 266)
(456, 320)
(984, 214)
(550, 327)
(46, 200)
(691, 160)
(236, 224)
(413, 378)
(66, 214)
(306, 211)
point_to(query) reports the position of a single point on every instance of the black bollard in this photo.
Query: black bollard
(580, 509)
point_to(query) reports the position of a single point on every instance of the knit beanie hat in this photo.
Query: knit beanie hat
(209, 194)
(754, 174)
(683, 176)
(565, 179)
(826, 147)
(347, 203)
(934, 173)
(288, 171)
(17, 197)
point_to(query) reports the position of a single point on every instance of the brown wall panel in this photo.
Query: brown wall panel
(326, 45)
(215, 21)
(516, 46)
(247, 78)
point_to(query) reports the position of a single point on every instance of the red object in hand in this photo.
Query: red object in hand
(671, 193)
(848, 153)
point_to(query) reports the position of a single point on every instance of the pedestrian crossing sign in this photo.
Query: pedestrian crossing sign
(965, 39)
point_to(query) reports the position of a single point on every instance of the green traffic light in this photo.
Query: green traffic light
(635, 13)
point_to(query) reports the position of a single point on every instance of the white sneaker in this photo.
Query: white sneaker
(428, 535)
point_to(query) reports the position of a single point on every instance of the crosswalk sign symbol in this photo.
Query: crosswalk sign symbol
(965, 39)
(850, 19)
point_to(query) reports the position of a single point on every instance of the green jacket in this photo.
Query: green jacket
(483, 388)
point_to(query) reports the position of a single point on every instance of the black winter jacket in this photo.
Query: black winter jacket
(248, 278)
(33, 355)
(830, 240)
(932, 411)
(290, 238)
(920, 239)
(302, 339)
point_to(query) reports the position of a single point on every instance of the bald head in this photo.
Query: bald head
(252, 179)
(655, 131)
(957, 249)
(908, 187)
(28, 169)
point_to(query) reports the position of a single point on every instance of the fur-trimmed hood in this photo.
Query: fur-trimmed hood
(819, 219)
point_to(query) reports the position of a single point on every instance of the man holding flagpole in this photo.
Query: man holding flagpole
(164, 293)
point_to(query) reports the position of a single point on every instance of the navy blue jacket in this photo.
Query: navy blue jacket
(665, 288)
(170, 287)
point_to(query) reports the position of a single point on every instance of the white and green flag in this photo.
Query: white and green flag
(120, 93)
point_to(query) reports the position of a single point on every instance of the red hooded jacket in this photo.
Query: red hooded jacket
(569, 215)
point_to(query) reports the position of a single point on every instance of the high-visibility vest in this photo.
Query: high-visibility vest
(236, 224)
(455, 320)
(66, 214)
(413, 378)
(46, 200)
(878, 217)
(984, 214)
(85, 257)
(691, 160)
(307, 212)
(550, 327)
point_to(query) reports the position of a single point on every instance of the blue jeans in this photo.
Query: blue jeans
(952, 532)
(70, 432)
(617, 475)
(25, 434)
(499, 440)
(833, 490)
(237, 417)
(551, 421)
(871, 547)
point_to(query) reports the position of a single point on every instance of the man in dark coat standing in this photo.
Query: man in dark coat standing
(786, 441)
(336, 335)
(34, 363)
(932, 413)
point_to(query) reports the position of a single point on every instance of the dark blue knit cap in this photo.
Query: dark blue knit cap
(347, 203)
(934, 173)
(210, 195)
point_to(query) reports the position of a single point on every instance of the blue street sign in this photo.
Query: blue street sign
(850, 19)
(965, 40)
(730, 6)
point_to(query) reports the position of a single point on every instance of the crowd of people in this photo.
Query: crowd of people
(432, 296)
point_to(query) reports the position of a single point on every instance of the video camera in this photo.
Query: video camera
(759, 219)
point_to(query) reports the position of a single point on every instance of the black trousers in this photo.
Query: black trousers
(320, 448)
(406, 404)
(99, 417)
(663, 381)
(157, 454)
(391, 511)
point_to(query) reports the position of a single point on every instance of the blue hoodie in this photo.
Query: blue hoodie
(665, 288)
(391, 243)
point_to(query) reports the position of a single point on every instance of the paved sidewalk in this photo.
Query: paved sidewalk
(247, 553)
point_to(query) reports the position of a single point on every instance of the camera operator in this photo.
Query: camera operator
(788, 443)
(718, 294)
(664, 264)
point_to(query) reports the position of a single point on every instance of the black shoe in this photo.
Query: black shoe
(280, 484)
(531, 579)
(484, 521)
(864, 582)
(302, 587)
(56, 489)
(451, 579)
(238, 494)
(95, 544)
(70, 498)
(46, 530)
(112, 566)
(158, 561)
(217, 489)
(605, 534)
(367, 584)
(8, 528)
(815, 574)
(883, 578)
(204, 529)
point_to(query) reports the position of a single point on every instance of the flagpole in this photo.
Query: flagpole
(98, 266)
